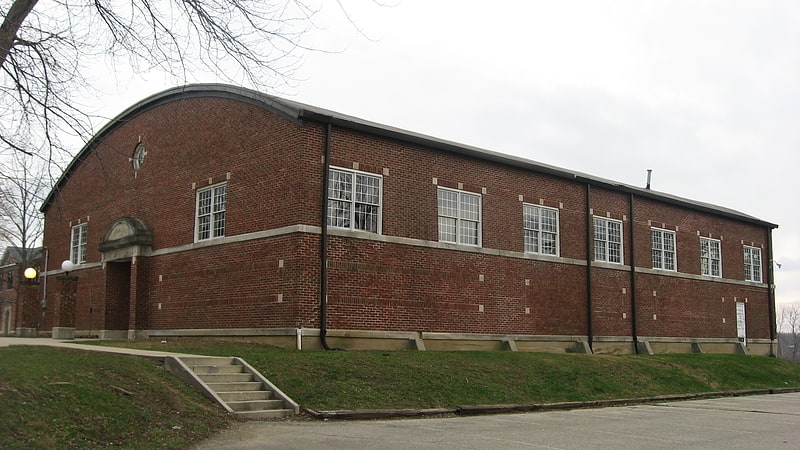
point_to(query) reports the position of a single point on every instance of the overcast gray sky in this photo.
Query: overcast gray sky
(705, 93)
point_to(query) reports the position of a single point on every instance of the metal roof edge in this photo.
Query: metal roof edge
(357, 124)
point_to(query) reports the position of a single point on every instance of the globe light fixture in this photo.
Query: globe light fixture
(30, 273)
(67, 266)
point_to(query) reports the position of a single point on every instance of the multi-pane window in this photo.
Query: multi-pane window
(459, 217)
(354, 200)
(663, 249)
(752, 264)
(710, 257)
(541, 229)
(607, 240)
(211, 207)
(77, 249)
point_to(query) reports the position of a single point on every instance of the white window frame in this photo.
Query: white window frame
(707, 258)
(355, 204)
(752, 264)
(455, 220)
(660, 251)
(77, 243)
(603, 241)
(533, 222)
(215, 212)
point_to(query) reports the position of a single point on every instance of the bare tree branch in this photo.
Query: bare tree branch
(23, 185)
(789, 329)
(46, 46)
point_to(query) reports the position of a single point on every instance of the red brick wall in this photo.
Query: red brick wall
(397, 287)
(276, 168)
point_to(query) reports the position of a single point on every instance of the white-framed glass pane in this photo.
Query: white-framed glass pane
(212, 203)
(447, 229)
(78, 238)
(459, 216)
(549, 243)
(468, 232)
(663, 249)
(531, 241)
(204, 227)
(540, 227)
(340, 185)
(752, 264)
(470, 207)
(600, 251)
(710, 257)
(354, 200)
(339, 213)
(607, 240)
(448, 203)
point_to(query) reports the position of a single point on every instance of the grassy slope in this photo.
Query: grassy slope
(60, 398)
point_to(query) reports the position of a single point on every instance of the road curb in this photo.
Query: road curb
(475, 410)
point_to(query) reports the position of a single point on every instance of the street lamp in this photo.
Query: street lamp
(30, 275)
(67, 266)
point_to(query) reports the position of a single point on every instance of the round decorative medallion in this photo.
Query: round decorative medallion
(138, 156)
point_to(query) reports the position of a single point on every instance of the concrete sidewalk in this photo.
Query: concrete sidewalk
(76, 344)
(767, 421)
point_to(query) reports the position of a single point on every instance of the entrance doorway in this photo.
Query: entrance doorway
(118, 295)
(741, 330)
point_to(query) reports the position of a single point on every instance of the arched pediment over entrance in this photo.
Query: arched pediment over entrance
(126, 237)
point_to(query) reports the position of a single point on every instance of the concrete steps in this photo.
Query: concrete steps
(235, 385)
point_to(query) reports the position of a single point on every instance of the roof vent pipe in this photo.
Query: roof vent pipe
(649, 173)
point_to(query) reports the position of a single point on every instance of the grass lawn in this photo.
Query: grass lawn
(59, 398)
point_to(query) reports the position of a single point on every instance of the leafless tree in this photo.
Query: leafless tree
(789, 328)
(23, 185)
(47, 45)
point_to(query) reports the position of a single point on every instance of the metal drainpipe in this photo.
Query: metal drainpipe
(634, 324)
(323, 250)
(589, 227)
(771, 284)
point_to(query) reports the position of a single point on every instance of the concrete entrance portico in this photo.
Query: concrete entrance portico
(125, 248)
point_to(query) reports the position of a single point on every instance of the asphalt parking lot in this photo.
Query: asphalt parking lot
(764, 422)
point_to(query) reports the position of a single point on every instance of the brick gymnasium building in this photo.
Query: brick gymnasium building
(211, 210)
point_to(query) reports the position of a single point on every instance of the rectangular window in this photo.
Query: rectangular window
(752, 264)
(540, 225)
(607, 240)
(710, 257)
(354, 200)
(663, 249)
(211, 207)
(459, 217)
(77, 250)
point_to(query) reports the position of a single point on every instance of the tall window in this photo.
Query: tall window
(663, 249)
(211, 206)
(459, 217)
(710, 257)
(541, 229)
(354, 200)
(607, 240)
(77, 250)
(752, 264)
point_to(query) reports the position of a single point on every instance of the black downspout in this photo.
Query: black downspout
(323, 246)
(771, 284)
(589, 240)
(634, 324)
